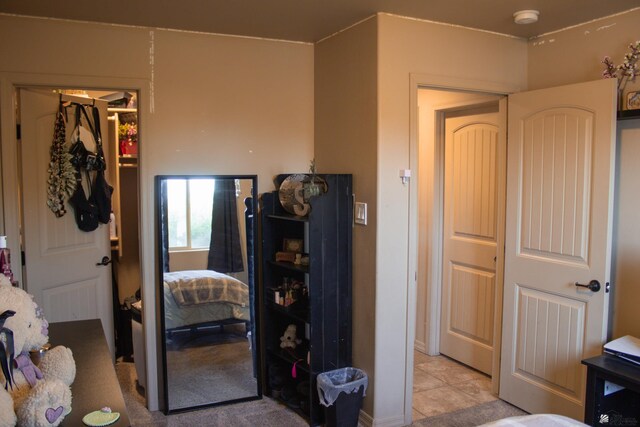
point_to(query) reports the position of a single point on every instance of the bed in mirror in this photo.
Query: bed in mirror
(207, 290)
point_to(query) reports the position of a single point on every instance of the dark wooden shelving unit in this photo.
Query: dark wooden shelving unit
(323, 321)
(628, 114)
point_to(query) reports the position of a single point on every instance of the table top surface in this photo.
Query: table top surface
(96, 384)
(613, 365)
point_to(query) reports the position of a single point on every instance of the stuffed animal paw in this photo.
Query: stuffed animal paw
(59, 363)
(46, 405)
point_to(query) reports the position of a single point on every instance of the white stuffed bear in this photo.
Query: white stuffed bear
(288, 339)
(34, 396)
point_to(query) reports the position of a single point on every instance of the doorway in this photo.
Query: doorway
(124, 226)
(116, 244)
(459, 265)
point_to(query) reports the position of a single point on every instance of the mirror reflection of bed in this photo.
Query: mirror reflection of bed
(207, 261)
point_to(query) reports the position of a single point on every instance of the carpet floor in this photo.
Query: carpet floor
(473, 416)
(209, 368)
(269, 413)
(264, 412)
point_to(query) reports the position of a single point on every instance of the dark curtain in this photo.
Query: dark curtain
(225, 253)
(164, 212)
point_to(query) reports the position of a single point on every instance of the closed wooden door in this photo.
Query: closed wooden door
(472, 155)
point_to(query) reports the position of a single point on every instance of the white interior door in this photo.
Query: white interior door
(470, 238)
(61, 270)
(559, 214)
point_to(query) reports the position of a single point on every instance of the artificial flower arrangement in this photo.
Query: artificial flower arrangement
(625, 72)
(128, 136)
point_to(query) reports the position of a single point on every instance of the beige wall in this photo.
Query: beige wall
(438, 53)
(574, 55)
(209, 103)
(191, 260)
(345, 142)
(626, 231)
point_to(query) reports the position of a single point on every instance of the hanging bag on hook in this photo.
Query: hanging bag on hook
(96, 208)
(101, 190)
(85, 208)
(82, 158)
(61, 182)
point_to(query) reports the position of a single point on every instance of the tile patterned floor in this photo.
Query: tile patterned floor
(442, 385)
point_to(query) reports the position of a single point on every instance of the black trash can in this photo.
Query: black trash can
(341, 392)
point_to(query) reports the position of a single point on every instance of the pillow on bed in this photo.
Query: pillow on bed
(192, 287)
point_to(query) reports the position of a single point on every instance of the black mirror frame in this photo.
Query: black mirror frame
(251, 218)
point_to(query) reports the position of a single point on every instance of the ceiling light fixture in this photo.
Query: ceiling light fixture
(526, 16)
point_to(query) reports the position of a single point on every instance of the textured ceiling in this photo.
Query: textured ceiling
(312, 20)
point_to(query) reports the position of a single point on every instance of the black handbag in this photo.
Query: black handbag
(101, 190)
(85, 208)
(96, 208)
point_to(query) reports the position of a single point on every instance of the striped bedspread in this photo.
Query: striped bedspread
(193, 287)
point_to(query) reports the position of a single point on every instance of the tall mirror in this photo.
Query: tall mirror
(207, 298)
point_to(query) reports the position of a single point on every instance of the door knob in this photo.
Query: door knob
(105, 261)
(594, 285)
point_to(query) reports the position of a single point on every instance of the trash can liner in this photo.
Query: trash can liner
(344, 380)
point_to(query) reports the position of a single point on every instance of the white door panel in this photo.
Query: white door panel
(61, 270)
(558, 231)
(469, 239)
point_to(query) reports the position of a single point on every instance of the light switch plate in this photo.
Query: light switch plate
(360, 213)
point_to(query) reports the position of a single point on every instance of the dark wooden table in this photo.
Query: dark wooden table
(620, 408)
(96, 384)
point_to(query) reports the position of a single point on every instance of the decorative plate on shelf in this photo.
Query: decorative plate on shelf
(291, 194)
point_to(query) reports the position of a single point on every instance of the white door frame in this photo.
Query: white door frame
(418, 81)
(10, 178)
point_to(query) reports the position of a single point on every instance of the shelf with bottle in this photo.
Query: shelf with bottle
(290, 300)
(297, 313)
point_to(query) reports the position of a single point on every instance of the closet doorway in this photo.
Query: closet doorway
(124, 229)
(461, 206)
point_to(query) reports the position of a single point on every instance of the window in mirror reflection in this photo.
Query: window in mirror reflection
(190, 207)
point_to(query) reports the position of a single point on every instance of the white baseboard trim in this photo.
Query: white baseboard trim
(420, 346)
(366, 420)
